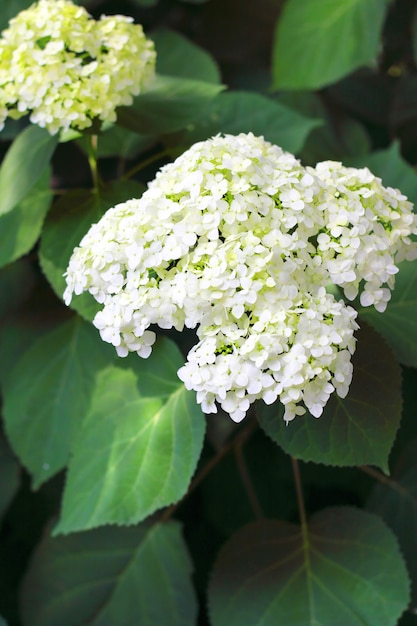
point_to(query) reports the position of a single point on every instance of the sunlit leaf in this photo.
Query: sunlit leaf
(23, 165)
(243, 112)
(319, 42)
(357, 430)
(47, 395)
(20, 228)
(168, 105)
(9, 475)
(111, 577)
(345, 568)
(67, 224)
(398, 324)
(138, 447)
(178, 56)
(396, 502)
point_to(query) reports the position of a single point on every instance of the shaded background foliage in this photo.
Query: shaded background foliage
(61, 385)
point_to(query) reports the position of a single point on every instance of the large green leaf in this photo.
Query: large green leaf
(66, 225)
(396, 502)
(392, 168)
(319, 42)
(20, 228)
(357, 430)
(398, 323)
(47, 395)
(242, 112)
(345, 569)
(138, 447)
(111, 577)
(178, 56)
(23, 165)
(9, 475)
(168, 105)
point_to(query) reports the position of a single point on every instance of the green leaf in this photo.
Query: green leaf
(345, 568)
(66, 225)
(47, 395)
(178, 56)
(317, 43)
(397, 324)
(21, 227)
(9, 475)
(138, 447)
(168, 105)
(357, 430)
(396, 502)
(111, 577)
(242, 112)
(23, 165)
(392, 169)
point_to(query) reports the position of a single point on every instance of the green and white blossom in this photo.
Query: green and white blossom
(238, 240)
(66, 69)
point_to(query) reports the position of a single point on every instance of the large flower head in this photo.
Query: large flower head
(228, 239)
(65, 69)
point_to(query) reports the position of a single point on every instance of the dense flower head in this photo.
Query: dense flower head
(65, 69)
(239, 241)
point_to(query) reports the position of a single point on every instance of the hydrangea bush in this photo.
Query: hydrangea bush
(247, 254)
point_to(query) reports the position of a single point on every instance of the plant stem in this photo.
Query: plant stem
(247, 482)
(92, 161)
(300, 497)
(385, 480)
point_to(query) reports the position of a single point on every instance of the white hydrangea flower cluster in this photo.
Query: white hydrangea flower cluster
(65, 69)
(238, 240)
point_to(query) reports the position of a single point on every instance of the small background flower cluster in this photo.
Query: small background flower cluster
(66, 69)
